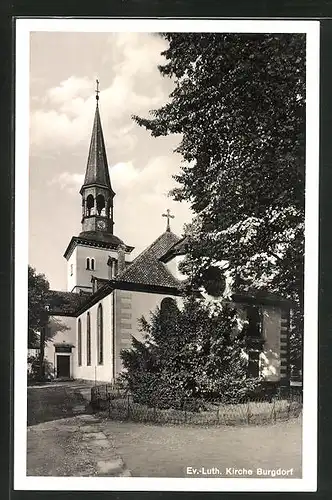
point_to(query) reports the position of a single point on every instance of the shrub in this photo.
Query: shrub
(193, 355)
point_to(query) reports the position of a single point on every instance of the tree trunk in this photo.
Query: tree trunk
(42, 352)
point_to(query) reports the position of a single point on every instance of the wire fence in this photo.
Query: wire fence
(119, 404)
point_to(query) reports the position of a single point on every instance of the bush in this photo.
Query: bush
(191, 355)
(33, 373)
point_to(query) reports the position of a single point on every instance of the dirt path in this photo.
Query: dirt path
(156, 451)
(74, 446)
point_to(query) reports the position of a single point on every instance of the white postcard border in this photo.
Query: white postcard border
(309, 452)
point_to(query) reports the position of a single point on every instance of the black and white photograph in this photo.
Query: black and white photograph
(166, 255)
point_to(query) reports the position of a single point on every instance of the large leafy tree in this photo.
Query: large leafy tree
(239, 104)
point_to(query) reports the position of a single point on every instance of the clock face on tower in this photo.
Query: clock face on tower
(101, 224)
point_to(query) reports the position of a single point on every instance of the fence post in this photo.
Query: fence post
(109, 405)
(248, 412)
(128, 407)
(218, 408)
(185, 411)
(289, 409)
(273, 413)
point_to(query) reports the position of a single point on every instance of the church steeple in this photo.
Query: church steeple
(96, 191)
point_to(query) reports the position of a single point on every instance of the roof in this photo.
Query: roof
(101, 236)
(261, 297)
(65, 303)
(97, 167)
(179, 248)
(147, 269)
(95, 239)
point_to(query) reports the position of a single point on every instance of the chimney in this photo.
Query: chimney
(121, 259)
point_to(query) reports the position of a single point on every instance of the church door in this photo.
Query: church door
(63, 366)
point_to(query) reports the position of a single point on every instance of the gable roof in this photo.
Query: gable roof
(147, 269)
(179, 248)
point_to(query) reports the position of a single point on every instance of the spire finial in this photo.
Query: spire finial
(169, 216)
(97, 91)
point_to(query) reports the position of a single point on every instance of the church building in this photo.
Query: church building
(108, 291)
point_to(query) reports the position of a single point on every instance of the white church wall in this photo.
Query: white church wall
(62, 337)
(173, 267)
(100, 372)
(270, 357)
(130, 307)
(79, 275)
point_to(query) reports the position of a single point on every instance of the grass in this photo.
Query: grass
(52, 403)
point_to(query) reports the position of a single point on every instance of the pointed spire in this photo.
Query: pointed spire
(97, 166)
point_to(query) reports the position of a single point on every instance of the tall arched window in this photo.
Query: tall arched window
(88, 263)
(88, 340)
(92, 264)
(79, 343)
(100, 335)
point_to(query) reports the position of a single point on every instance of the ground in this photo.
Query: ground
(64, 441)
(155, 451)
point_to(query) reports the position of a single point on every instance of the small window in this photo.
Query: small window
(254, 325)
(71, 269)
(92, 264)
(88, 264)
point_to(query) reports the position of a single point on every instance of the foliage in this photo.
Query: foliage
(38, 288)
(54, 326)
(192, 354)
(239, 104)
(34, 369)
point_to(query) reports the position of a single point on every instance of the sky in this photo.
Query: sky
(63, 70)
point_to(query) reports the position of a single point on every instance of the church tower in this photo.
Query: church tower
(91, 253)
(97, 193)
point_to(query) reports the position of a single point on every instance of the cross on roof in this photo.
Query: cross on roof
(169, 216)
(97, 90)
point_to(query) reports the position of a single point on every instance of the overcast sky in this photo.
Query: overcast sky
(64, 67)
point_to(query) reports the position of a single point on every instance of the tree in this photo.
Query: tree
(41, 326)
(188, 356)
(239, 104)
(38, 288)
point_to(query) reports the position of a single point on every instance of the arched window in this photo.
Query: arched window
(169, 314)
(88, 340)
(79, 343)
(100, 335)
(88, 263)
(100, 204)
(89, 205)
(92, 264)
